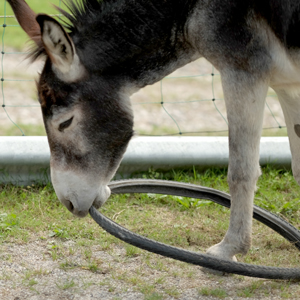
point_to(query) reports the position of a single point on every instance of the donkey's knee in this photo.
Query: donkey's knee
(246, 176)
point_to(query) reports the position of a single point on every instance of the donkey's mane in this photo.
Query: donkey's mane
(133, 25)
(83, 12)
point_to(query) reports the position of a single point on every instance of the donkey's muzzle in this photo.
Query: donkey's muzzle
(79, 213)
(78, 192)
(79, 206)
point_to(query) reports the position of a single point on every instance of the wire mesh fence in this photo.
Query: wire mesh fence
(187, 102)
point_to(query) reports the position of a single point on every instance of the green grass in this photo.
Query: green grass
(33, 213)
(277, 192)
(215, 292)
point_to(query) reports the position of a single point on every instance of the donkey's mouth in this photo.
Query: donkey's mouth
(103, 195)
(97, 204)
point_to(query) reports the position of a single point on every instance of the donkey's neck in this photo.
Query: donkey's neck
(138, 42)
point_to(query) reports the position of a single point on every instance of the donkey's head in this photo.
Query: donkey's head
(86, 117)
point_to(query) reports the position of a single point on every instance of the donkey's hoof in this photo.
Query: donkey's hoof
(220, 252)
(223, 251)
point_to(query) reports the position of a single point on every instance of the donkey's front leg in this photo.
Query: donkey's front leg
(245, 98)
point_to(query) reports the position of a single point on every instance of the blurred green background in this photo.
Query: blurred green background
(11, 36)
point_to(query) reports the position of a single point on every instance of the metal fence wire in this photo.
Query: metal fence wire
(187, 102)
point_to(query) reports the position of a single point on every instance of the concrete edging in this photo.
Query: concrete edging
(25, 160)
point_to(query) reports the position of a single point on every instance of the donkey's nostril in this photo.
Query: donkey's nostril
(69, 205)
(79, 213)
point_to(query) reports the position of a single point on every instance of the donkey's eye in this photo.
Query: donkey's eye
(62, 126)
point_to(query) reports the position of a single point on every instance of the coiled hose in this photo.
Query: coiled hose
(208, 261)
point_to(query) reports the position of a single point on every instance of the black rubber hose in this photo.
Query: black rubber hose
(204, 260)
(165, 187)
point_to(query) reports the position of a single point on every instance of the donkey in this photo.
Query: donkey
(109, 49)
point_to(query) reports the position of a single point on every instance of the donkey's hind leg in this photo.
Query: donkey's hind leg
(245, 99)
(291, 109)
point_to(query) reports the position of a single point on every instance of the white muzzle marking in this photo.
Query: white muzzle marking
(78, 193)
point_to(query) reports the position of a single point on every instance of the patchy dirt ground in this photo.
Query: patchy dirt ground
(30, 272)
(186, 95)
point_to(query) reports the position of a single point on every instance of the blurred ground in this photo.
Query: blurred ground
(186, 96)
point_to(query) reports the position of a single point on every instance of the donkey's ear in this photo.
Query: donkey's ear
(26, 18)
(57, 43)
